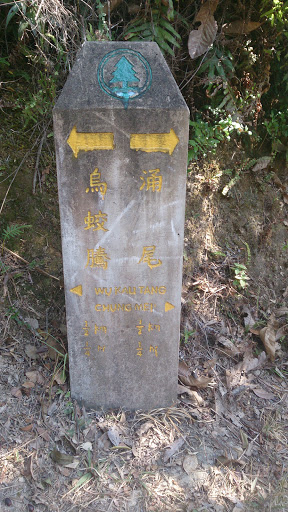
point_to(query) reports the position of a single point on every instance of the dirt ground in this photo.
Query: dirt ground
(223, 446)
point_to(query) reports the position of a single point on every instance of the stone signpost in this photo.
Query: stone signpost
(121, 134)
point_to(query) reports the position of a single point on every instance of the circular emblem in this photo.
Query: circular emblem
(124, 74)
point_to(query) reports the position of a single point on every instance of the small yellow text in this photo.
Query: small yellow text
(96, 185)
(148, 252)
(97, 258)
(96, 221)
(152, 181)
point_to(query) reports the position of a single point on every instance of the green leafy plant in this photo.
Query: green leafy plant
(217, 64)
(37, 106)
(13, 231)
(240, 276)
(50, 25)
(277, 128)
(186, 336)
(155, 24)
(205, 138)
(69, 407)
(207, 135)
(98, 29)
(14, 314)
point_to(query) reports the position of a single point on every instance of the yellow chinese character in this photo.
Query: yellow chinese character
(140, 327)
(139, 349)
(87, 349)
(101, 349)
(96, 221)
(154, 349)
(86, 328)
(96, 184)
(153, 182)
(146, 257)
(97, 258)
(151, 327)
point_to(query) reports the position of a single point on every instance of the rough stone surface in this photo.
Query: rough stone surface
(122, 204)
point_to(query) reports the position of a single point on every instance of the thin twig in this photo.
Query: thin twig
(27, 263)
(109, 18)
(37, 173)
(195, 73)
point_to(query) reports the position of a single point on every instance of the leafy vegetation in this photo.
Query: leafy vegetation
(13, 231)
(155, 23)
(238, 85)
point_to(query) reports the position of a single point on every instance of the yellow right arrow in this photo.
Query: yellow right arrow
(168, 306)
(154, 142)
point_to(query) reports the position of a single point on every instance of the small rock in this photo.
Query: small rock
(33, 322)
(190, 463)
(8, 502)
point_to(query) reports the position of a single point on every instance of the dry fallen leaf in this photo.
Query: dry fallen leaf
(241, 27)
(65, 471)
(244, 439)
(16, 392)
(32, 376)
(186, 378)
(43, 433)
(283, 187)
(200, 383)
(27, 428)
(210, 363)
(60, 377)
(281, 332)
(103, 442)
(31, 351)
(61, 458)
(196, 398)
(28, 384)
(183, 369)
(231, 349)
(73, 464)
(173, 448)
(263, 394)
(283, 311)
(114, 435)
(117, 436)
(226, 461)
(201, 39)
(86, 446)
(144, 428)
(268, 336)
(206, 10)
(236, 376)
(248, 318)
(53, 345)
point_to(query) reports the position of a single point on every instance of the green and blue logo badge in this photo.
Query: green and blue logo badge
(124, 74)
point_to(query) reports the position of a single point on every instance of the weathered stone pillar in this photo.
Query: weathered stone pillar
(121, 134)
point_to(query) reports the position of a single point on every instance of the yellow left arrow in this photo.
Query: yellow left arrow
(77, 290)
(81, 141)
